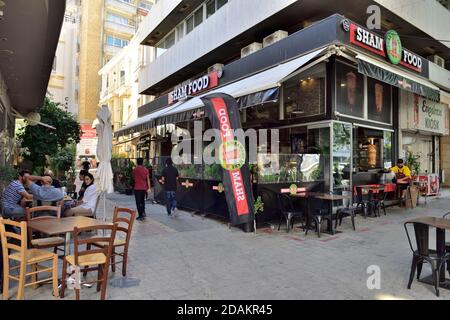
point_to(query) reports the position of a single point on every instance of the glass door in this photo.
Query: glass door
(341, 171)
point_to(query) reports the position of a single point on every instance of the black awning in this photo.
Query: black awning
(397, 80)
(258, 98)
(250, 100)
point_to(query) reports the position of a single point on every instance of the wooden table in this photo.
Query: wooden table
(54, 227)
(441, 225)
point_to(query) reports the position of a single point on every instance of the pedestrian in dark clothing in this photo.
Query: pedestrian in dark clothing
(169, 179)
(141, 186)
(86, 165)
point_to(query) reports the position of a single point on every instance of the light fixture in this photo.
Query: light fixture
(298, 110)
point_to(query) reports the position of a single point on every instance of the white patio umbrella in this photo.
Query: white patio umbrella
(104, 174)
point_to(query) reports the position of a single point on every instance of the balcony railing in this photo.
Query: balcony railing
(123, 6)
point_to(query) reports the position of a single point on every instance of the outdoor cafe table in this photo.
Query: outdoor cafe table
(54, 227)
(441, 225)
(330, 198)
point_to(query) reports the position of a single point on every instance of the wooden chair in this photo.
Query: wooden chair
(25, 257)
(49, 242)
(95, 260)
(126, 227)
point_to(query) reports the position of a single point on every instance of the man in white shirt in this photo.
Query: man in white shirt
(86, 206)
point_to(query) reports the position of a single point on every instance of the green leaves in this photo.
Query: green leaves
(42, 141)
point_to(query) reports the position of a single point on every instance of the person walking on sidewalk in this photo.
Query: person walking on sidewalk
(169, 179)
(141, 187)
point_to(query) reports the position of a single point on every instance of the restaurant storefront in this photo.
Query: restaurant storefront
(334, 103)
(423, 122)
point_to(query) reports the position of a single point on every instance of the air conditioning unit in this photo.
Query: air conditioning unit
(437, 60)
(252, 48)
(274, 37)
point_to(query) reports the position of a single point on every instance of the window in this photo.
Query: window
(54, 64)
(379, 101)
(180, 31)
(190, 24)
(221, 3)
(349, 91)
(116, 42)
(210, 8)
(198, 17)
(170, 40)
(122, 77)
(117, 19)
(145, 5)
(304, 95)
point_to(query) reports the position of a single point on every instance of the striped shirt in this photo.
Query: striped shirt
(11, 195)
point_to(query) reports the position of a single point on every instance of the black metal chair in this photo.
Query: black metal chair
(319, 215)
(424, 254)
(346, 211)
(379, 202)
(288, 211)
(362, 201)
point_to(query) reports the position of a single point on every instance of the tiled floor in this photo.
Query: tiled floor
(194, 258)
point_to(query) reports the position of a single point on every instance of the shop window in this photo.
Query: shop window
(304, 157)
(349, 91)
(372, 149)
(304, 95)
(388, 156)
(342, 155)
(257, 114)
(379, 101)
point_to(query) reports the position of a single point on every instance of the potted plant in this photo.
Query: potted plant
(128, 176)
(7, 174)
(413, 162)
(258, 206)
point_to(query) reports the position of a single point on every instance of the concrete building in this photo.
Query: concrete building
(94, 31)
(120, 92)
(64, 84)
(29, 33)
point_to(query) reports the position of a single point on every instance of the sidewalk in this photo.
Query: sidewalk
(194, 258)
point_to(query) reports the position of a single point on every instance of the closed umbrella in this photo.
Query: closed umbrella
(104, 175)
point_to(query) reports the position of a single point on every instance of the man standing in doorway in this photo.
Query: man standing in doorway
(141, 186)
(169, 180)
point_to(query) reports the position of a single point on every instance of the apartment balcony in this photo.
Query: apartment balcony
(114, 27)
(111, 50)
(121, 6)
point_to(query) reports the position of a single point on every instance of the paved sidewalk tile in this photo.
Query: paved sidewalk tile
(194, 258)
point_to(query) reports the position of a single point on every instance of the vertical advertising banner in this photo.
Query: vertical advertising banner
(223, 113)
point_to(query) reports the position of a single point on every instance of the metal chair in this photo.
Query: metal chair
(379, 202)
(360, 201)
(424, 254)
(288, 211)
(347, 211)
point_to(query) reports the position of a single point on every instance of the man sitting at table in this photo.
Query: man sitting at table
(46, 191)
(15, 197)
(402, 176)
